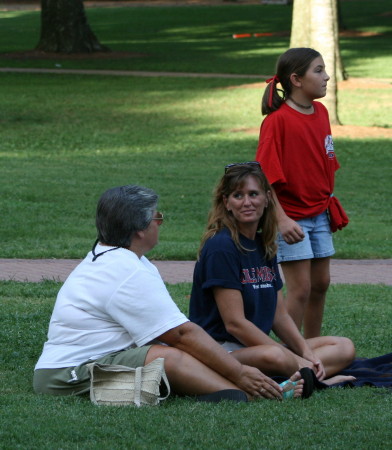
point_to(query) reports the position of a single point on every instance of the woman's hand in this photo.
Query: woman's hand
(256, 384)
(316, 364)
(319, 370)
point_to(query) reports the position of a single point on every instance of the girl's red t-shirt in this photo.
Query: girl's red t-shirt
(296, 152)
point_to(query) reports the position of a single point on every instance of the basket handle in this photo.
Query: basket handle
(138, 385)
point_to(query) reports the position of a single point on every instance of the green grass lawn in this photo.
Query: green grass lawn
(67, 138)
(333, 419)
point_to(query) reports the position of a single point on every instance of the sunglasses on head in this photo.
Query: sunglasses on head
(249, 163)
(158, 218)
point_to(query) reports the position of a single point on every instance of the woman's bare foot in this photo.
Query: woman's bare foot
(338, 379)
(293, 387)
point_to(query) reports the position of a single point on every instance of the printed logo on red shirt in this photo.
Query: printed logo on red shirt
(329, 148)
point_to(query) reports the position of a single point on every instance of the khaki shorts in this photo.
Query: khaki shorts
(76, 380)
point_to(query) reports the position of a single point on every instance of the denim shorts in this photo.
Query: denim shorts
(317, 242)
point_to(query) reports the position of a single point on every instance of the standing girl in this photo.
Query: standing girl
(296, 152)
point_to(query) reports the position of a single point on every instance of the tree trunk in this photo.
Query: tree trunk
(340, 72)
(323, 39)
(64, 28)
(315, 25)
(300, 28)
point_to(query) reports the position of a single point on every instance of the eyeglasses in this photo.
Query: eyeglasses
(249, 163)
(159, 218)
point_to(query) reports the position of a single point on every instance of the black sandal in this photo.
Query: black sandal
(233, 395)
(311, 382)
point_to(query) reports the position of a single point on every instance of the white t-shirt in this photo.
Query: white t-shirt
(117, 301)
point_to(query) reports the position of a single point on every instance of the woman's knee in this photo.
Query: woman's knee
(347, 348)
(173, 357)
(345, 344)
(344, 349)
(275, 357)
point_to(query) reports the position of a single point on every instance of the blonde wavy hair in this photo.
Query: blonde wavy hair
(219, 218)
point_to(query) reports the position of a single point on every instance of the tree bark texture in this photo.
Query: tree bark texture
(300, 27)
(315, 25)
(64, 28)
(340, 71)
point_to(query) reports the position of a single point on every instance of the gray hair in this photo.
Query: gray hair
(122, 211)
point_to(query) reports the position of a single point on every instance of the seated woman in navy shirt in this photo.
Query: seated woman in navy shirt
(237, 290)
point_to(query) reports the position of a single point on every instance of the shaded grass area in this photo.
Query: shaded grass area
(59, 165)
(66, 139)
(337, 418)
(199, 38)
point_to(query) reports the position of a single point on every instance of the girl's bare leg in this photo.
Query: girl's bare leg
(297, 275)
(307, 282)
(314, 311)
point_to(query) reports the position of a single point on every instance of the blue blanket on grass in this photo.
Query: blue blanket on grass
(370, 372)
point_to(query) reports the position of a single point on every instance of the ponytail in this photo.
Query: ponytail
(271, 99)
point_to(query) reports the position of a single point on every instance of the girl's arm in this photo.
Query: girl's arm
(289, 229)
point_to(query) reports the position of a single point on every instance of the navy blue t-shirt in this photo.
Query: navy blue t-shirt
(221, 264)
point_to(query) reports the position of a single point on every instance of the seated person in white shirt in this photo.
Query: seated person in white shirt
(114, 308)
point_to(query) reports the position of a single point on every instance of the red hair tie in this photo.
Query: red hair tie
(274, 80)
